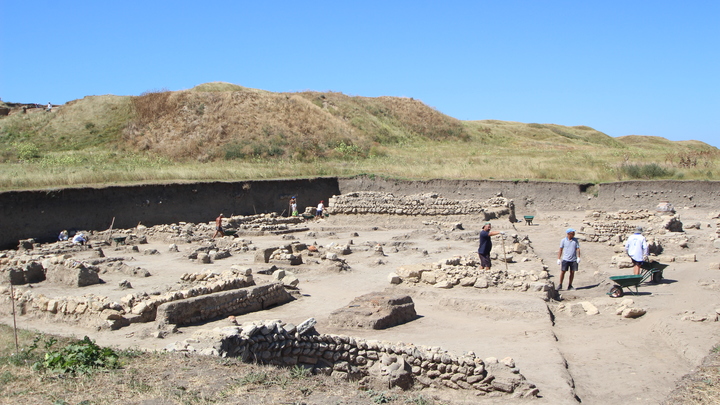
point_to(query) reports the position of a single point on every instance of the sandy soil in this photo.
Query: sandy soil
(601, 358)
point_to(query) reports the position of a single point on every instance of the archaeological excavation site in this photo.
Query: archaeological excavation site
(385, 289)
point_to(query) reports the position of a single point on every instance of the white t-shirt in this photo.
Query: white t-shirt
(636, 247)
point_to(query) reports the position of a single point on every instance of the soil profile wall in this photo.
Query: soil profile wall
(43, 214)
(533, 196)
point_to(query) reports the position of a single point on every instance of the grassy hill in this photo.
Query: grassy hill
(222, 131)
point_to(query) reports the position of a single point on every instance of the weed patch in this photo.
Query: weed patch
(80, 357)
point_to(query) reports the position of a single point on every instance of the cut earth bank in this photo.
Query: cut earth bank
(572, 347)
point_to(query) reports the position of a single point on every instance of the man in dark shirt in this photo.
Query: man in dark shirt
(486, 245)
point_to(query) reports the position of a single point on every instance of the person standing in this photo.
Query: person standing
(320, 209)
(637, 248)
(486, 245)
(293, 207)
(568, 257)
(218, 226)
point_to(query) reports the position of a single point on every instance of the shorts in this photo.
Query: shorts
(319, 213)
(484, 261)
(219, 228)
(636, 263)
(566, 265)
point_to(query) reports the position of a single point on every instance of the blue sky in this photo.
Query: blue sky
(622, 67)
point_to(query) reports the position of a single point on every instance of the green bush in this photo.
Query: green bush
(80, 357)
(646, 171)
(27, 151)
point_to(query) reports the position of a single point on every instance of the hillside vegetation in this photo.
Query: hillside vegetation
(222, 131)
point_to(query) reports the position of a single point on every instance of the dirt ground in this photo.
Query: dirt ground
(601, 358)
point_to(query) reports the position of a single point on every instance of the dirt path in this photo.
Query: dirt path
(590, 358)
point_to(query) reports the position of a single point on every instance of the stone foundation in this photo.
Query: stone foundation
(217, 305)
(345, 357)
(370, 202)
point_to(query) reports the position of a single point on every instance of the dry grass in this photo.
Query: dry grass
(701, 386)
(221, 131)
(174, 378)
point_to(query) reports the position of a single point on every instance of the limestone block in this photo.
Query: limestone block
(672, 224)
(468, 281)
(714, 266)
(589, 308)
(686, 258)
(716, 243)
(375, 311)
(412, 270)
(633, 312)
(575, 309)
(429, 277)
(394, 278)
(443, 284)
(290, 281)
(481, 282)
(243, 271)
(77, 276)
(539, 286)
(203, 258)
(263, 255)
(622, 262)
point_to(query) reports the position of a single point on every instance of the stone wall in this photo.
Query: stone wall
(371, 202)
(345, 357)
(99, 311)
(221, 304)
(601, 226)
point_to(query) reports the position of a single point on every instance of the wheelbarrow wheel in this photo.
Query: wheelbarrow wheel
(616, 292)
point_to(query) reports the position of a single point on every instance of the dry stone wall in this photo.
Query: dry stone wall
(346, 357)
(216, 305)
(101, 312)
(370, 202)
(601, 226)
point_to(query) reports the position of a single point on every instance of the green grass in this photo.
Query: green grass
(148, 377)
(224, 132)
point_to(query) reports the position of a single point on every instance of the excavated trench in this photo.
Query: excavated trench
(42, 214)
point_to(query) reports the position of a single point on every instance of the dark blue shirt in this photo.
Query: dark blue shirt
(485, 243)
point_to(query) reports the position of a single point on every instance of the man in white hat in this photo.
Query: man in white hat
(637, 248)
(568, 257)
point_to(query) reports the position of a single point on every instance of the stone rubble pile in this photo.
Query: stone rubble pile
(370, 202)
(344, 357)
(522, 273)
(466, 272)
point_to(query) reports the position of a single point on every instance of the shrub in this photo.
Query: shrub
(27, 151)
(647, 171)
(81, 357)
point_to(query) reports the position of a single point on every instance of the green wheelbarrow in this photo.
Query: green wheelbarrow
(634, 280)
